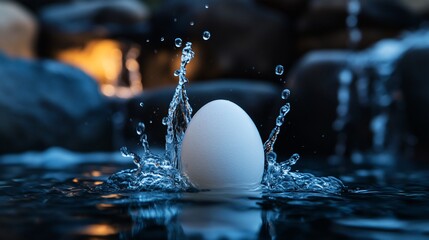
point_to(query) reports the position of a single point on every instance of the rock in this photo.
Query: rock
(413, 73)
(45, 103)
(70, 24)
(18, 28)
(314, 83)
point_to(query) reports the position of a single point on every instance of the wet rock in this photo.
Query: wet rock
(413, 72)
(45, 103)
(69, 24)
(313, 84)
(18, 28)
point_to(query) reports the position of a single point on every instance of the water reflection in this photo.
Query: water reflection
(98, 230)
(204, 215)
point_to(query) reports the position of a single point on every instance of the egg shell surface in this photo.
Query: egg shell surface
(222, 148)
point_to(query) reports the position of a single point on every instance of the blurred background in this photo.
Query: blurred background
(73, 73)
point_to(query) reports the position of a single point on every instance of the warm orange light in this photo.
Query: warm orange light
(95, 173)
(98, 182)
(111, 196)
(102, 206)
(102, 59)
(98, 230)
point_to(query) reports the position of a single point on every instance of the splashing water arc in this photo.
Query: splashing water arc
(163, 172)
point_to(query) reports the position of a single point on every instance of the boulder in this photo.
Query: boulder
(413, 71)
(18, 28)
(45, 103)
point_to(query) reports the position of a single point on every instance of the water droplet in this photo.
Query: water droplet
(353, 6)
(294, 158)
(285, 94)
(140, 128)
(355, 35)
(206, 6)
(284, 109)
(124, 151)
(351, 21)
(279, 70)
(141, 104)
(280, 120)
(345, 76)
(162, 39)
(178, 42)
(206, 35)
(192, 23)
(165, 121)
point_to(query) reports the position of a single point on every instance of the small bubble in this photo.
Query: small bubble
(192, 23)
(141, 104)
(285, 94)
(178, 42)
(162, 39)
(279, 70)
(175, 19)
(206, 35)
(140, 128)
(206, 6)
(147, 40)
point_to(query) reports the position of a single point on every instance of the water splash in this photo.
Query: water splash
(278, 176)
(155, 172)
(179, 112)
(163, 172)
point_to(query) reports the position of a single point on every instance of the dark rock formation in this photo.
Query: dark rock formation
(44, 104)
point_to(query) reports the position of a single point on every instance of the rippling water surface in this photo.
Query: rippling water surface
(66, 200)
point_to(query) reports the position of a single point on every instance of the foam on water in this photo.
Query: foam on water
(163, 172)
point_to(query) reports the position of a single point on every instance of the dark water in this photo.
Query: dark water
(66, 201)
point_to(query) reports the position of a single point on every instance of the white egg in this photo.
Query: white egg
(222, 148)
